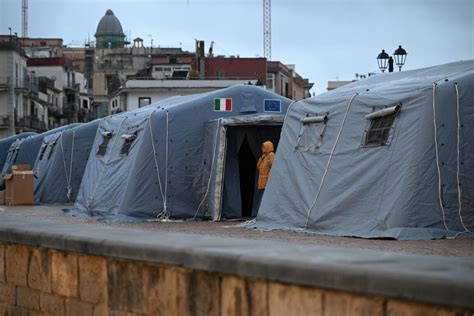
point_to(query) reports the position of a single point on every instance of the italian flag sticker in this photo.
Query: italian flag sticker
(223, 105)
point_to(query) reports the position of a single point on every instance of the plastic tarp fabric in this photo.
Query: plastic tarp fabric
(25, 150)
(60, 163)
(165, 171)
(347, 188)
(6, 142)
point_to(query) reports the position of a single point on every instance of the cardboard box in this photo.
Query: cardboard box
(21, 167)
(19, 189)
(2, 197)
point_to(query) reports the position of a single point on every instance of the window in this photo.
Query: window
(106, 136)
(380, 126)
(43, 149)
(311, 132)
(143, 102)
(53, 144)
(127, 143)
(271, 82)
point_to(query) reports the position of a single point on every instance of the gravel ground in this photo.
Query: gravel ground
(444, 247)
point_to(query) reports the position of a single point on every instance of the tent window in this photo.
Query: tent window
(53, 144)
(43, 150)
(311, 133)
(381, 123)
(106, 136)
(127, 143)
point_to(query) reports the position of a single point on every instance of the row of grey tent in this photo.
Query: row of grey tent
(391, 156)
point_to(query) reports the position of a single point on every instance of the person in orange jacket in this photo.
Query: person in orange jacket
(264, 164)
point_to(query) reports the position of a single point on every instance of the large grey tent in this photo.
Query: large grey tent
(391, 156)
(181, 157)
(25, 150)
(6, 142)
(60, 163)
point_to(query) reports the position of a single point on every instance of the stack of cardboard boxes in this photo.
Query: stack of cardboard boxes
(18, 186)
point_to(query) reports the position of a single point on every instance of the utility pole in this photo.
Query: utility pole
(24, 18)
(267, 29)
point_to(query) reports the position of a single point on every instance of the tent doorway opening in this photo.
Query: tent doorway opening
(241, 199)
(247, 163)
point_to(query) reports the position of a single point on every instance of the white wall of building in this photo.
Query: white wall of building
(129, 97)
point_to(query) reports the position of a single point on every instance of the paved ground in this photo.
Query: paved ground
(452, 248)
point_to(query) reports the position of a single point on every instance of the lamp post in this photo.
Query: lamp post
(384, 60)
(400, 57)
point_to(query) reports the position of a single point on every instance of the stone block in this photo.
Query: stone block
(404, 308)
(74, 307)
(200, 293)
(128, 285)
(2, 263)
(339, 304)
(28, 298)
(101, 310)
(243, 297)
(17, 311)
(52, 304)
(7, 294)
(16, 267)
(293, 300)
(93, 279)
(39, 270)
(3, 309)
(166, 294)
(64, 271)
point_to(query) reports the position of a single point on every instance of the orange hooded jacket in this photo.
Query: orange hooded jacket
(264, 164)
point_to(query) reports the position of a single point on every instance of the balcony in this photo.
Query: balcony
(72, 86)
(4, 121)
(32, 123)
(28, 84)
(5, 83)
(70, 108)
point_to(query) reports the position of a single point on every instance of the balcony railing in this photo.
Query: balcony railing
(72, 86)
(70, 108)
(4, 121)
(28, 83)
(5, 83)
(31, 122)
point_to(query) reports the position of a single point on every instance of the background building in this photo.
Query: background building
(21, 109)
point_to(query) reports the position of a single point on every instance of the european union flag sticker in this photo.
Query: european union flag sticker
(272, 105)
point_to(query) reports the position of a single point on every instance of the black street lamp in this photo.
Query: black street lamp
(400, 57)
(384, 60)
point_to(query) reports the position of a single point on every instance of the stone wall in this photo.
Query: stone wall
(42, 281)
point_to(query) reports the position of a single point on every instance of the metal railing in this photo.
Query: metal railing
(32, 123)
(27, 83)
(72, 86)
(5, 82)
(4, 121)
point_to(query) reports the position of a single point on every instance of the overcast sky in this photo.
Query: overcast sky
(326, 39)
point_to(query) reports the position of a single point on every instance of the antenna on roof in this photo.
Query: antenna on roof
(24, 18)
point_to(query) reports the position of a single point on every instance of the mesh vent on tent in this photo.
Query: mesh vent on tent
(106, 136)
(311, 132)
(381, 123)
(127, 143)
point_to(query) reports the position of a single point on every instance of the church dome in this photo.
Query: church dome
(109, 25)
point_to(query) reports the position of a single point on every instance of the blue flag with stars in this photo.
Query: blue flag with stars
(272, 105)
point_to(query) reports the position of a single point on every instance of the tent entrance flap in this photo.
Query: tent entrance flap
(247, 162)
(239, 193)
